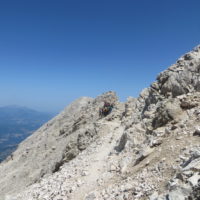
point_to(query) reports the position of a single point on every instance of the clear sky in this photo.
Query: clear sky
(54, 51)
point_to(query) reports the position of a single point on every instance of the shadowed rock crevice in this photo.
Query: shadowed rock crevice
(122, 143)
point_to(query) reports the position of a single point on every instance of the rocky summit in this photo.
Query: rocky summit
(145, 148)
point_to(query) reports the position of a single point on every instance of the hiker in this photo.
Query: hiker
(106, 109)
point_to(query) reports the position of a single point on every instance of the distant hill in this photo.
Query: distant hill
(17, 123)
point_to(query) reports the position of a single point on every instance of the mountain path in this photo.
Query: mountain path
(98, 161)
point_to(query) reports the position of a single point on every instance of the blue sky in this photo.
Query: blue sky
(52, 52)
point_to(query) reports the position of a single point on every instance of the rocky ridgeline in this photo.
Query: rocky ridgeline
(146, 148)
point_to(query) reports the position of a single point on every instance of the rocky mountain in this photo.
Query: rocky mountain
(17, 123)
(146, 148)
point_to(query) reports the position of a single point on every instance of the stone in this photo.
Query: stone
(197, 131)
(176, 195)
(155, 142)
(121, 143)
(113, 168)
(84, 173)
(154, 196)
(90, 197)
(145, 153)
(195, 179)
(166, 112)
(53, 147)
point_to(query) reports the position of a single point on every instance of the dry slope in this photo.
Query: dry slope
(147, 148)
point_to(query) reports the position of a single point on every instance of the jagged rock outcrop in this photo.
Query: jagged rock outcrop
(146, 148)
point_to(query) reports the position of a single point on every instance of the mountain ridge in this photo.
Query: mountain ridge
(146, 148)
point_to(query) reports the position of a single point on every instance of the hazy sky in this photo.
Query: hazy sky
(54, 51)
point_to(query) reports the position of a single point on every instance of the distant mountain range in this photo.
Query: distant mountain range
(17, 123)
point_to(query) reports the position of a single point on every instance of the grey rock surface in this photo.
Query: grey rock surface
(146, 148)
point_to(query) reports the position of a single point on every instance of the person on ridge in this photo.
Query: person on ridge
(106, 109)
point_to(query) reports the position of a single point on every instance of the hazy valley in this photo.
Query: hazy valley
(17, 123)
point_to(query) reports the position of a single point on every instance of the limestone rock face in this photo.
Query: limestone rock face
(146, 148)
(182, 77)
